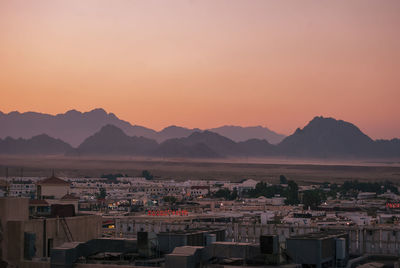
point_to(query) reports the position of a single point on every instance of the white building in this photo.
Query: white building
(52, 188)
(22, 189)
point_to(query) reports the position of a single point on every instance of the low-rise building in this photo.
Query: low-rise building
(52, 188)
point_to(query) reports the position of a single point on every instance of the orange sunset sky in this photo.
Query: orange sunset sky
(205, 63)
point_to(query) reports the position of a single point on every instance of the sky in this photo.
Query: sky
(205, 63)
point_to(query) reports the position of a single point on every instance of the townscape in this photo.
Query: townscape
(167, 222)
(199, 134)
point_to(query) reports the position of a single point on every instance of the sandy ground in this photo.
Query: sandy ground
(302, 171)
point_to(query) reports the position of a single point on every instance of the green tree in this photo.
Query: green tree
(262, 189)
(234, 194)
(292, 193)
(313, 198)
(112, 178)
(102, 193)
(226, 194)
(146, 174)
(282, 179)
(170, 199)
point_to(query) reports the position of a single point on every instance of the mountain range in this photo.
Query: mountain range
(40, 144)
(74, 127)
(321, 138)
(111, 140)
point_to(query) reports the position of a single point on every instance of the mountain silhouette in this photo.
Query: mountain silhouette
(219, 144)
(327, 138)
(113, 141)
(257, 148)
(177, 148)
(321, 138)
(238, 134)
(74, 127)
(387, 148)
(172, 132)
(37, 145)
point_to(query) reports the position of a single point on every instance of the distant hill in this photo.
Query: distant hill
(72, 127)
(387, 148)
(257, 148)
(37, 145)
(172, 132)
(216, 145)
(237, 133)
(111, 140)
(321, 138)
(219, 144)
(177, 148)
(327, 138)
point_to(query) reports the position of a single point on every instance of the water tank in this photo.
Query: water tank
(340, 248)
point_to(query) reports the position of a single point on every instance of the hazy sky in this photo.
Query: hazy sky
(200, 63)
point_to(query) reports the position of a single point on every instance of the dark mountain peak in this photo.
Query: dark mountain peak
(220, 144)
(327, 137)
(113, 116)
(110, 129)
(239, 133)
(97, 111)
(206, 134)
(203, 133)
(175, 129)
(73, 112)
(324, 121)
(40, 144)
(329, 124)
(113, 140)
(172, 127)
(41, 137)
(320, 120)
(178, 148)
(298, 130)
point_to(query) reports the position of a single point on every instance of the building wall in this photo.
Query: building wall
(362, 239)
(82, 228)
(57, 191)
(11, 208)
(22, 189)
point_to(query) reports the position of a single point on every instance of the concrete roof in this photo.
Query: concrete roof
(38, 202)
(186, 250)
(53, 181)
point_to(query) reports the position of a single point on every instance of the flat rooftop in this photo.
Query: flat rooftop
(191, 231)
(319, 235)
